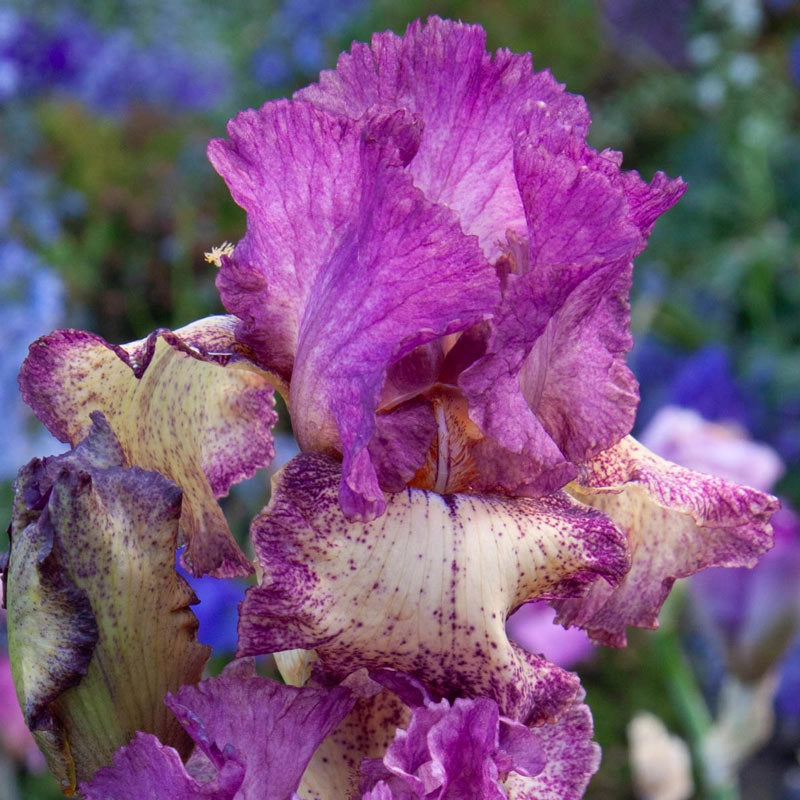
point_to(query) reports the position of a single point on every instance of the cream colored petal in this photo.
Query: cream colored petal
(677, 522)
(186, 404)
(424, 589)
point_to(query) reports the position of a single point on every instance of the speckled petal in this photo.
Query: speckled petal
(99, 627)
(359, 274)
(677, 522)
(186, 404)
(553, 385)
(469, 101)
(570, 756)
(427, 588)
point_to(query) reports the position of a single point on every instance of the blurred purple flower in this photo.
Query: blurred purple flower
(645, 30)
(107, 70)
(532, 626)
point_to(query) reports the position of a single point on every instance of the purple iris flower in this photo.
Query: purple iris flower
(435, 278)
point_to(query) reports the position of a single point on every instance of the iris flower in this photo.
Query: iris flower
(435, 277)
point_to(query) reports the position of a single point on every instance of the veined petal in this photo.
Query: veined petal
(349, 276)
(427, 588)
(99, 627)
(469, 101)
(553, 385)
(187, 404)
(677, 522)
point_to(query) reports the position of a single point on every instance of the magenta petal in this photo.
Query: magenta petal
(296, 173)
(469, 102)
(454, 751)
(553, 384)
(383, 271)
(146, 768)
(254, 736)
(677, 523)
(277, 728)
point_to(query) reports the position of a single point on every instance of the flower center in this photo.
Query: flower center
(450, 464)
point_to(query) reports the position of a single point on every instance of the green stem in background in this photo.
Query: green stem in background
(687, 698)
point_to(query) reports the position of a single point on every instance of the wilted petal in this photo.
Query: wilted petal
(254, 738)
(470, 103)
(98, 622)
(186, 404)
(427, 588)
(336, 281)
(677, 522)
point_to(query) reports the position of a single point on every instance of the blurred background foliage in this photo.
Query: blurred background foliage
(107, 205)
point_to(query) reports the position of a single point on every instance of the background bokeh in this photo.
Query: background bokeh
(107, 205)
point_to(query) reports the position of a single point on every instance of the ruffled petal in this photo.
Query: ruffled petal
(99, 627)
(147, 768)
(187, 404)
(570, 758)
(469, 102)
(677, 522)
(254, 738)
(427, 588)
(553, 385)
(452, 751)
(385, 271)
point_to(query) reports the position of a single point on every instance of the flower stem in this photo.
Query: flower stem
(689, 703)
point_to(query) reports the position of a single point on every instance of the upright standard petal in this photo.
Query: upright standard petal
(338, 279)
(553, 385)
(187, 404)
(469, 101)
(99, 627)
(677, 523)
(427, 588)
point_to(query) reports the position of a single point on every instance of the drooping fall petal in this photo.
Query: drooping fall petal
(427, 588)
(187, 404)
(99, 627)
(677, 523)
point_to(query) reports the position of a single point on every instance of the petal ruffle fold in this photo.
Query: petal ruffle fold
(188, 404)
(677, 522)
